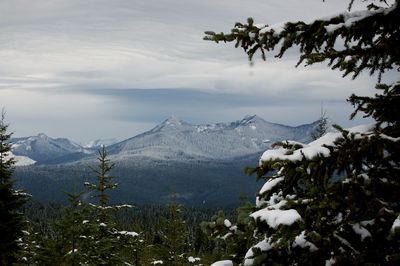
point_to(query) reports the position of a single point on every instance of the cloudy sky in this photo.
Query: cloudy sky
(87, 69)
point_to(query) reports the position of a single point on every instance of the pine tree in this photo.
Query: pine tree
(28, 244)
(335, 200)
(75, 233)
(12, 222)
(322, 127)
(108, 243)
(172, 247)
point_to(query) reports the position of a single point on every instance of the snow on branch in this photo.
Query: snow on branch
(264, 245)
(396, 224)
(274, 218)
(317, 40)
(21, 193)
(301, 241)
(315, 148)
(127, 233)
(270, 184)
(348, 19)
(223, 263)
(116, 207)
(362, 231)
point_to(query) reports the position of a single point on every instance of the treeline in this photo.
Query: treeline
(149, 221)
(90, 231)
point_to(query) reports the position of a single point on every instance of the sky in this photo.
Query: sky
(113, 69)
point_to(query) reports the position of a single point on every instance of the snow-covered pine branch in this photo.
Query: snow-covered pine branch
(319, 40)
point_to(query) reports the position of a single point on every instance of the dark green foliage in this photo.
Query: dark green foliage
(84, 233)
(75, 233)
(345, 196)
(153, 221)
(171, 242)
(364, 198)
(384, 107)
(12, 222)
(232, 239)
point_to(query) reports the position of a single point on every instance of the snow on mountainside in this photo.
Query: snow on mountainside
(179, 140)
(21, 160)
(172, 139)
(42, 148)
(197, 160)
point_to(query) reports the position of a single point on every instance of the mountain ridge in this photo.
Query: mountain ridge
(202, 163)
(213, 141)
(171, 139)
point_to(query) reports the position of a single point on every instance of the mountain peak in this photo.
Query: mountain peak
(42, 135)
(169, 123)
(250, 119)
(172, 120)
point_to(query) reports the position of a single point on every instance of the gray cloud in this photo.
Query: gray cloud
(68, 67)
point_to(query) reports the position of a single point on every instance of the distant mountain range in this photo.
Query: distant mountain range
(202, 163)
(176, 139)
(42, 148)
(172, 139)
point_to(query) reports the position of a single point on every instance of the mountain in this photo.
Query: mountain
(177, 139)
(44, 149)
(203, 164)
(172, 139)
(98, 143)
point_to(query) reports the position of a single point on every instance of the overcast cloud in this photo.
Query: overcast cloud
(100, 69)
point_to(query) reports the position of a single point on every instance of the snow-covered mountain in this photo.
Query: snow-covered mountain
(42, 148)
(176, 139)
(98, 143)
(196, 160)
(172, 139)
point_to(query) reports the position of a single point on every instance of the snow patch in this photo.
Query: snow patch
(223, 263)
(396, 224)
(270, 184)
(363, 232)
(72, 251)
(127, 233)
(330, 262)
(192, 259)
(264, 245)
(21, 160)
(227, 223)
(274, 218)
(301, 241)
